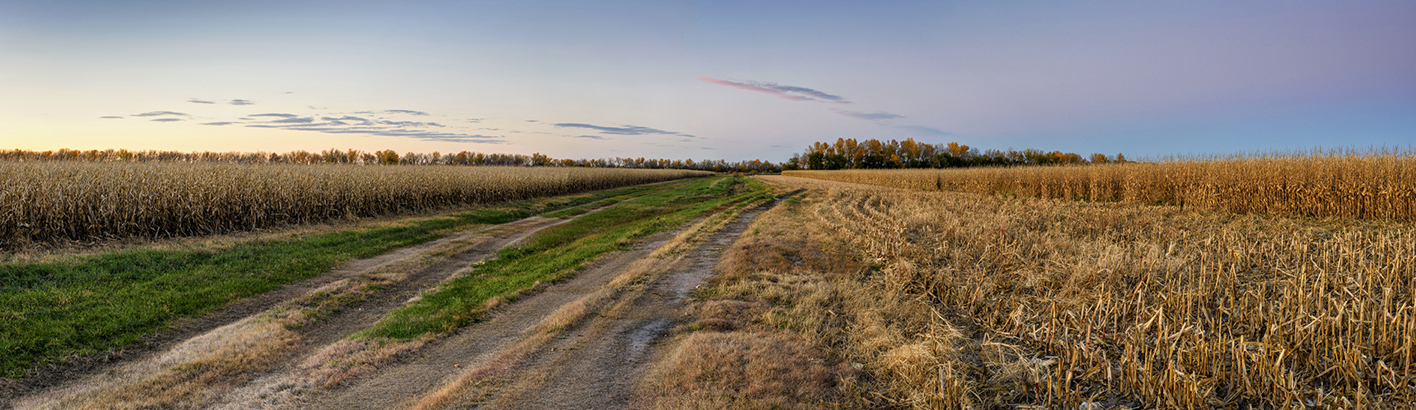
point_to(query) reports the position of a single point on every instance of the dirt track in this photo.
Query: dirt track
(581, 343)
(595, 363)
(599, 364)
(473, 245)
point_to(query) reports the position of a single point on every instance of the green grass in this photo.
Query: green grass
(85, 305)
(559, 251)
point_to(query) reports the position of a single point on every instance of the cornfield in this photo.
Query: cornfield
(82, 201)
(1375, 185)
(1169, 309)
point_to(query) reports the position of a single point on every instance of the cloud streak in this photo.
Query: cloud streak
(242, 102)
(345, 120)
(625, 130)
(296, 120)
(111, 117)
(410, 124)
(872, 116)
(933, 132)
(787, 92)
(196, 101)
(160, 113)
(358, 125)
(386, 132)
(590, 137)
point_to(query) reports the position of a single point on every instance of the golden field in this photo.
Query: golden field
(986, 301)
(1373, 185)
(85, 201)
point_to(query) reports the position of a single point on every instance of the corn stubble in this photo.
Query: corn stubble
(78, 201)
(1347, 184)
(1148, 304)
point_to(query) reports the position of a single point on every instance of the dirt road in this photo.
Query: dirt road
(599, 364)
(581, 343)
(400, 275)
(595, 362)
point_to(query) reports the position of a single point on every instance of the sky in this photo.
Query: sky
(731, 80)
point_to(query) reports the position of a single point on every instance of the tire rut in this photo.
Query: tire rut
(476, 244)
(477, 344)
(361, 315)
(601, 365)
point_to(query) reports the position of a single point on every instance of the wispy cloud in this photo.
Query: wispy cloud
(242, 102)
(345, 120)
(788, 92)
(166, 119)
(196, 101)
(160, 113)
(111, 117)
(922, 130)
(410, 124)
(385, 132)
(360, 125)
(295, 120)
(591, 137)
(873, 116)
(625, 130)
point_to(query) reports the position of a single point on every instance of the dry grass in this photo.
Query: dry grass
(183, 377)
(78, 201)
(793, 305)
(1371, 185)
(743, 371)
(1170, 309)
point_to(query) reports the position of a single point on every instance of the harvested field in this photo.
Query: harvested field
(1360, 185)
(1012, 302)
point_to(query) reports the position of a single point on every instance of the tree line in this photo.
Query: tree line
(848, 153)
(387, 157)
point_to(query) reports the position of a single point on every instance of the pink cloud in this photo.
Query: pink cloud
(784, 91)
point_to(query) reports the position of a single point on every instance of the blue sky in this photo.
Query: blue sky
(730, 80)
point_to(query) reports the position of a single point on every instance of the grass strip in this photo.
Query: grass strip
(556, 252)
(84, 305)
